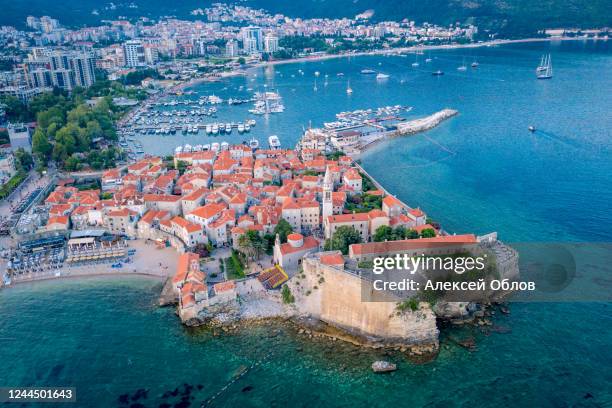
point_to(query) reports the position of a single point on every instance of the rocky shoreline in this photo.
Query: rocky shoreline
(232, 317)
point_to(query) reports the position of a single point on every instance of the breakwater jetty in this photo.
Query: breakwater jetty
(423, 124)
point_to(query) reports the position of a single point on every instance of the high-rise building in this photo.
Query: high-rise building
(151, 54)
(63, 79)
(134, 53)
(231, 48)
(252, 39)
(48, 24)
(70, 69)
(59, 60)
(40, 78)
(83, 67)
(33, 22)
(270, 43)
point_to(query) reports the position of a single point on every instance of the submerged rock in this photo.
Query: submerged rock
(382, 366)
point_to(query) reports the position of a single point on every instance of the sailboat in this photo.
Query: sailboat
(542, 66)
(545, 71)
(475, 64)
(315, 86)
(462, 67)
(349, 90)
(416, 60)
(428, 59)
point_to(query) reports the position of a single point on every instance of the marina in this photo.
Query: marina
(356, 131)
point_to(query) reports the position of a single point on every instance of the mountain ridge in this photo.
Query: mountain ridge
(509, 18)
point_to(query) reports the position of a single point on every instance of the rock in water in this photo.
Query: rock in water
(383, 366)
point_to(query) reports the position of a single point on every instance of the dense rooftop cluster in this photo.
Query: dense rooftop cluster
(221, 196)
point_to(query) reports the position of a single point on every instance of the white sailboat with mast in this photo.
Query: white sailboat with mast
(462, 67)
(545, 70)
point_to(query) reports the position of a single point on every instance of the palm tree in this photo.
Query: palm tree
(251, 244)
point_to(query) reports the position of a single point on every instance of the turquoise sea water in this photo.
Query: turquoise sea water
(107, 338)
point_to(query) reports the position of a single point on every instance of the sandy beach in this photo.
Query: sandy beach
(147, 261)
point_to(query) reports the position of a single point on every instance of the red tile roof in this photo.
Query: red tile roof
(411, 244)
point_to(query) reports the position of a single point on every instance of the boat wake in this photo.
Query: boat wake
(559, 139)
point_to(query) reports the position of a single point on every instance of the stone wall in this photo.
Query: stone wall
(335, 297)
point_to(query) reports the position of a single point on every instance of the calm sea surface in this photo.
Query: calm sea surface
(481, 171)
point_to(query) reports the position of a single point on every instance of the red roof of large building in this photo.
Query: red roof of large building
(340, 218)
(209, 210)
(411, 244)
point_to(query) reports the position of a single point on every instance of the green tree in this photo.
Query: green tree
(241, 61)
(24, 159)
(269, 242)
(60, 153)
(47, 101)
(52, 115)
(72, 163)
(283, 228)
(67, 137)
(93, 130)
(412, 234)
(400, 232)
(383, 233)
(181, 166)
(251, 244)
(343, 237)
(428, 233)
(15, 110)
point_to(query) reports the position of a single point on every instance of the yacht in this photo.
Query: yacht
(214, 147)
(349, 90)
(437, 73)
(228, 128)
(254, 143)
(462, 67)
(531, 129)
(247, 127)
(215, 129)
(240, 127)
(224, 146)
(368, 71)
(208, 129)
(380, 75)
(206, 147)
(213, 99)
(475, 64)
(274, 142)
